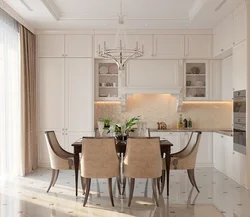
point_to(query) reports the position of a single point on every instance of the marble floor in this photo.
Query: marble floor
(219, 196)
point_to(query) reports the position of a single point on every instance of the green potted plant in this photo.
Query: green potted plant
(122, 130)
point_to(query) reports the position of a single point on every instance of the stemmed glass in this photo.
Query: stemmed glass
(144, 128)
(100, 127)
(139, 128)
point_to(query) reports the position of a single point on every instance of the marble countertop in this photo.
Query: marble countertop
(227, 132)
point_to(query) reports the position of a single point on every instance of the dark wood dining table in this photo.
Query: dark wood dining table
(121, 149)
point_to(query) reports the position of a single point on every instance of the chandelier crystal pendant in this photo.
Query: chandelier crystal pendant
(120, 54)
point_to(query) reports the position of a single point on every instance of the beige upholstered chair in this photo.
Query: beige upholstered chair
(186, 158)
(99, 160)
(59, 158)
(142, 160)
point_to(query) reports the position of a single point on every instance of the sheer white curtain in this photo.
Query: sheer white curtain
(10, 97)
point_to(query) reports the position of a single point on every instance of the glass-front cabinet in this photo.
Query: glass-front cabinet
(106, 81)
(196, 80)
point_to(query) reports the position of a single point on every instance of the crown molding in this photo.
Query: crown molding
(16, 16)
(52, 8)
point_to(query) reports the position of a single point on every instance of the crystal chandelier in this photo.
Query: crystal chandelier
(120, 54)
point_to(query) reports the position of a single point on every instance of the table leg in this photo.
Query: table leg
(168, 169)
(76, 163)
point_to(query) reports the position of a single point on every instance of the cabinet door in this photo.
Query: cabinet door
(215, 80)
(228, 144)
(78, 45)
(219, 156)
(79, 94)
(205, 151)
(51, 94)
(198, 46)
(145, 40)
(169, 46)
(240, 26)
(239, 168)
(50, 45)
(226, 79)
(153, 73)
(239, 66)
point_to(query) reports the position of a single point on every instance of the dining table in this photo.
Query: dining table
(165, 146)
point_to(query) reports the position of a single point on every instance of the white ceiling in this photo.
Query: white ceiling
(140, 14)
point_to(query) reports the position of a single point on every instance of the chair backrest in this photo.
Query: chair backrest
(57, 154)
(99, 158)
(192, 145)
(143, 158)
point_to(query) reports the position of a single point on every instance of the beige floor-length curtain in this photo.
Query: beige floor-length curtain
(28, 100)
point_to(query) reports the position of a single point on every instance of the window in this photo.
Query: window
(10, 97)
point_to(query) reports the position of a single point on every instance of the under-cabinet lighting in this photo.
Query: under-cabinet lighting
(208, 102)
(102, 102)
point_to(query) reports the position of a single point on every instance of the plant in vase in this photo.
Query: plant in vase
(122, 130)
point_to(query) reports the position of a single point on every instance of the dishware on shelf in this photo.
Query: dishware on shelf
(199, 83)
(188, 83)
(113, 69)
(103, 84)
(100, 125)
(195, 70)
(114, 84)
(103, 70)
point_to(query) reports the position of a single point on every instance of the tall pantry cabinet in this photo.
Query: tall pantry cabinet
(65, 90)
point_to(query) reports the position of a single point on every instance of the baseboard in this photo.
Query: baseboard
(204, 165)
(44, 165)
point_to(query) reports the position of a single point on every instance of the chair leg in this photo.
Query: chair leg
(119, 185)
(83, 181)
(159, 185)
(163, 178)
(52, 179)
(192, 179)
(110, 191)
(56, 177)
(154, 191)
(131, 190)
(124, 185)
(87, 191)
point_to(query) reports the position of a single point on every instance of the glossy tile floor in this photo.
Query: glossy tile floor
(219, 196)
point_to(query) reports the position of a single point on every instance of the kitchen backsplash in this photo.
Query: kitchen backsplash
(162, 107)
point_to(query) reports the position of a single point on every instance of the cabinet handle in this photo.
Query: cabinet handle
(66, 55)
(222, 136)
(233, 43)
(63, 55)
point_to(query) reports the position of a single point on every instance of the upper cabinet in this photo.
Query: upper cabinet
(198, 46)
(168, 46)
(240, 66)
(223, 36)
(153, 73)
(78, 45)
(65, 46)
(240, 25)
(51, 46)
(226, 79)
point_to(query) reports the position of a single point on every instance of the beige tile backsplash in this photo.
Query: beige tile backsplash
(162, 107)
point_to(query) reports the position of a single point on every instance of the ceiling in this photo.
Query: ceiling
(139, 14)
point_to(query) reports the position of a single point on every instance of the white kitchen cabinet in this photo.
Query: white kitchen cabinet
(223, 36)
(173, 137)
(51, 100)
(196, 80)
(229, 155)
(198, 46)
(65, 101)
(239, 168)
(145, 40)
(226, 79)
(78, 45)
(205, 151)
(51, 46)
(168, 46)
(184, 138)
(240, 25)
(240, 66)
(219, 152)
(153, 73)
(214, 80)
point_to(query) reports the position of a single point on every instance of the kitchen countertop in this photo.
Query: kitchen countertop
(226, 132)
